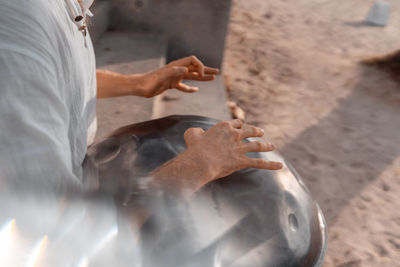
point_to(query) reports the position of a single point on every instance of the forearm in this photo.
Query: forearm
(179, 177)
(112, 84)
(183, 175)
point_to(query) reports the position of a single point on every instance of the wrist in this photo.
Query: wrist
(199, 165)
(185, 174)
(134, 84)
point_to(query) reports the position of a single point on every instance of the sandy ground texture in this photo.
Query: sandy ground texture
(293, 66)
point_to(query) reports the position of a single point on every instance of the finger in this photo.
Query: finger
(186, 88)
(251, 131)
(263, 164)
(192, 62)
(207, 70)
(257, 147)
(196, 77)
(236, 123)
(192, 69)
(197, 63)
(212, 71)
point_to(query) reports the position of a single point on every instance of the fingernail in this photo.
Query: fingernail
(278, 165)
(272, 146)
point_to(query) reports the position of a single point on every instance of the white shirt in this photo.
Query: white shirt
(47, 96)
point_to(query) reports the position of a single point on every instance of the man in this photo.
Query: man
(48, 87)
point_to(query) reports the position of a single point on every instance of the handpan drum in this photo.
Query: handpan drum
(252, 217)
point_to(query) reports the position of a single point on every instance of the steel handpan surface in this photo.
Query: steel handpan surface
(252, 217)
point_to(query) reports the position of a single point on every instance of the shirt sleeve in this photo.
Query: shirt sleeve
(35, 152)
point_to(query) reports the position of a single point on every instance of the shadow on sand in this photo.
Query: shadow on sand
(351, 146)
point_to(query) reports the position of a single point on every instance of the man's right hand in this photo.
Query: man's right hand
(221, 150)
(213, 154)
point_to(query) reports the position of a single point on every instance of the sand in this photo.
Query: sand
(293, 67)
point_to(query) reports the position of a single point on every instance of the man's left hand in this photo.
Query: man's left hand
(172, 75)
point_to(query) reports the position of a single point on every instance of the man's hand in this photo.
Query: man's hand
(213, 154)
(172, 75)
(222, 151)
(112, 84)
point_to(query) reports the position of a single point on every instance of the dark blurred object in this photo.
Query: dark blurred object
(250, 218)
(389, 63)
(191, 27)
